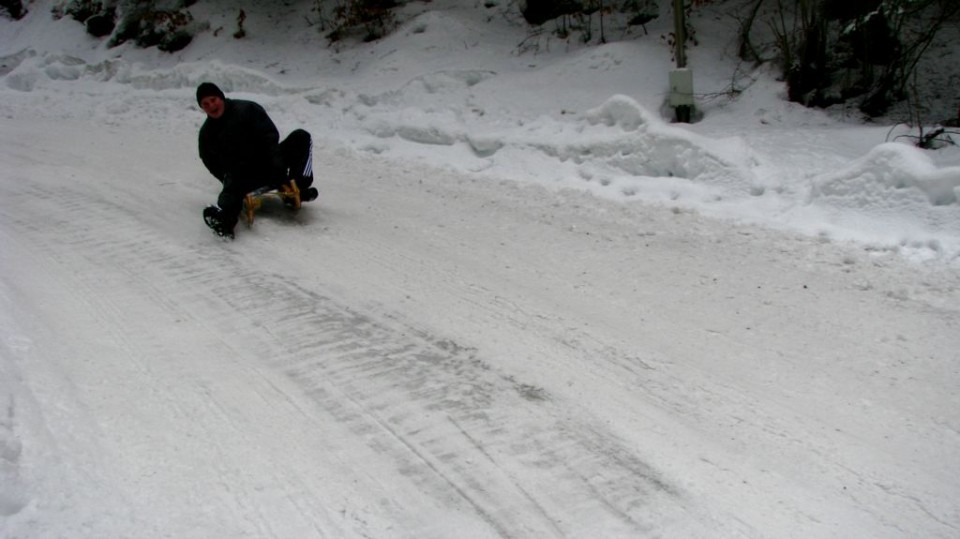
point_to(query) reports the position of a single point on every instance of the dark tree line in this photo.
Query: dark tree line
(832, 51)
(165, 24)
(829, 51)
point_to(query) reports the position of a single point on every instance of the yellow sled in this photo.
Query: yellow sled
(288, 193)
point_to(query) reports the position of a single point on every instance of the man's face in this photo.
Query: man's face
(213, 106)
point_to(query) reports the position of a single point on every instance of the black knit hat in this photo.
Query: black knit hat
(207, 89)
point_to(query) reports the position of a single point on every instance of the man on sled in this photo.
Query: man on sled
(241, 147)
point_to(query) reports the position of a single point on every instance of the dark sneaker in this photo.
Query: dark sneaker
(310, 193)
(211, 216)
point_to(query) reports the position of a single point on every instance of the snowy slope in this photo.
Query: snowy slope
(505, 316)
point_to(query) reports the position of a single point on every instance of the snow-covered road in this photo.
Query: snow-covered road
(422, 354)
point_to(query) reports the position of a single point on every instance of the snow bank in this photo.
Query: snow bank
(895, 196)
(894, 178)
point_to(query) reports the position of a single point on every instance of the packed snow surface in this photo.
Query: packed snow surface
(526, 304)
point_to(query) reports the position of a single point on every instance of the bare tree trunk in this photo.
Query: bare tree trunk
(746, 50)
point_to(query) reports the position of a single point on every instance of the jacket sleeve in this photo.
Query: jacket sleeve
(208, 154)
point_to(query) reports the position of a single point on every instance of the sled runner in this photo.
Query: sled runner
(289, 193)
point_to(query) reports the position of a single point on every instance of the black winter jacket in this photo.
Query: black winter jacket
(242, 143)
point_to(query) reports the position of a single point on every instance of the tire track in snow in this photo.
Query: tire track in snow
(114, 274)
(109, 277)
(424, 402)
(473, 438)
(412, 396)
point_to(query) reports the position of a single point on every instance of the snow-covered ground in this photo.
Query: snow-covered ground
(525, 305)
